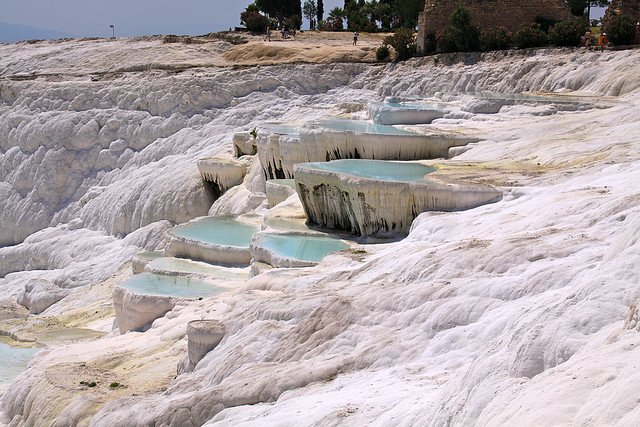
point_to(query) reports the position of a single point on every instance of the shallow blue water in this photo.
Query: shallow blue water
(412, 106)
(363, 127)
(13, 361)
(151, 255)
(288, 182)
(281, 128)
(304, 248)
(180, 265)
(175, 286)
(376, 169)
(217, 230)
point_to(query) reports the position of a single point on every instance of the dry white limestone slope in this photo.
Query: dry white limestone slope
(514, 312)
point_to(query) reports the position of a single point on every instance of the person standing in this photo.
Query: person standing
(637, 33)
(602, 41)
(355, 37)
(267, 38)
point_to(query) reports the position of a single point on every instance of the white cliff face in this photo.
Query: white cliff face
(517, 312)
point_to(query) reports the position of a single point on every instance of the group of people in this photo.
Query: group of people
(284, 32)
(587, 40)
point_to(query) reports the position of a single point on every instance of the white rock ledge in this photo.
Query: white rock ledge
(141, 259)
(201, 250)
(279, 190)
(222, 173)
(317, 143)
(136, 312)
(366, 207)
(203, 336)
(388, 114)
(263, 253)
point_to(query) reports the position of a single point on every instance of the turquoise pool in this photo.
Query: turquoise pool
(364, 127)
(302, 247)
(225, 231)
(185, 266)
(375, 169)
(150, 256)
(14, 361)
(412, 106)
(281, 128)
(288, 182)
(173, 286)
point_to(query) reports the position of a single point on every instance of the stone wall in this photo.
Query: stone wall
(627, 7)
(493, 13)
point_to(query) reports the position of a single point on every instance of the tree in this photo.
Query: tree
(253, 19)
(335, 21)
(320, 9)
(310, 11)
(460, 35)
(280, 9)
(583, 7)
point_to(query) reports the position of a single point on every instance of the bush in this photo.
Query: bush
(294, 22)
(402, 42)
(461, 35)
(529, 35)
(545, 23)
(621, 30)
(254, 21)
(383, 53)
(495, 39)
(569, 31)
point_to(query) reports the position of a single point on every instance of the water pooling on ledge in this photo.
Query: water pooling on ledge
(369, 198)
(141, 259)
(362, 127)
(376, 169)
(146, 297)
(182, 267)
(226, 231)
(171, 286)
(294, 250)
(405, 113)
(351, 139)
(280, 128)
(217, 240)
(14, 361)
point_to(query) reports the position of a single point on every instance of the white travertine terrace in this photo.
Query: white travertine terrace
(136, 312)
(222, 172)
(244, 144)
(40, 294)
(295, 249)
(318, 143)
(367, 206)
(279, 190)
(141, 259)
(203, 336)
(522, 312)
(211, 251)
(410, 114)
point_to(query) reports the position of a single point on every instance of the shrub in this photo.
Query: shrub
(569, 31)
(545, 23)
(402, 42)
(495, 39)
(383, 53)
(621, 30)
(461, 35)
(430, 43)
(529, 35)
(294, 22)
(254, 21)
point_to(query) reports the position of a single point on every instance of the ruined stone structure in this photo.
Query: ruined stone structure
(510, 14)
(626, 7)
